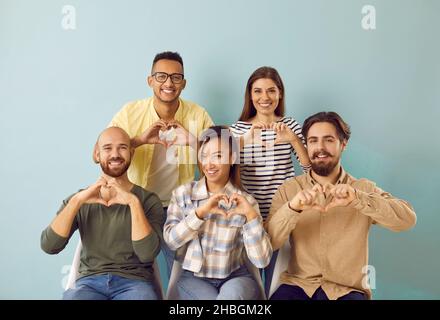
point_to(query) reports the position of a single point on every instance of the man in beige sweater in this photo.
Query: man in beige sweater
(326, 215)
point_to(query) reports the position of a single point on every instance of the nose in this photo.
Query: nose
(169, 82)
(114, 153)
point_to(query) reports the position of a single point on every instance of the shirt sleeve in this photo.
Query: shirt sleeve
(182, 223)
(149, 247)
(120, 119)
(281, 220)
(296, 128)
(384, 209)
(256, 241)
(53, 243)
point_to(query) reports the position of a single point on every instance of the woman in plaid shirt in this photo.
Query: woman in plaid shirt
(213, 240)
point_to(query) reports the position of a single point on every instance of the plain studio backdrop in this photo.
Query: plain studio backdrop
(65, 71)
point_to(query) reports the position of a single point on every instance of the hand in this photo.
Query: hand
(307, 199)
(343, 195)
(211, 206)
(151, 135)
(121, 196)
(183, 136)
(284, 134)
(253, 135)
(92, 193)
(243, 207)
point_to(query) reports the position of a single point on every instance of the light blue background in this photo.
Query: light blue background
(59, 89)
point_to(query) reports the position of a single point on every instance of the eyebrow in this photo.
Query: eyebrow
(266, 89)
(327, 136)
(119, 145)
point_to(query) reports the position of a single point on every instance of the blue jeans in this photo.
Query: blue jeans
(239, 285)
(168, 254)
(268, 273)
(110, 287)
(291, 292)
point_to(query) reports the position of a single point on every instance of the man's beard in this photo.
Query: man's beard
(323, 169)
(117, 172)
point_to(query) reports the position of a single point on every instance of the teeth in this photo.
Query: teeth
(167, 91)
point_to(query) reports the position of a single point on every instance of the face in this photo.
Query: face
(113, 152)
(324, 148)
(166, 92)
(265, 96)
(215, 160)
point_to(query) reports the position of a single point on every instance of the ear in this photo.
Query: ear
(150, 81)
(95, 153)
(344, 144)
(183, 84)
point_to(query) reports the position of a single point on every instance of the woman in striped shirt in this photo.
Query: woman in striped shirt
(267, 140)
(217, 246)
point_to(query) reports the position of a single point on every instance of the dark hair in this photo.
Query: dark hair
(262, 73)
(167, 55)
(224, 134)
(342, 128)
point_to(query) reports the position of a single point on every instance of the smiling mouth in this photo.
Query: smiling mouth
(211, 172)
(115, 163)
(167, 91)
(322, 156)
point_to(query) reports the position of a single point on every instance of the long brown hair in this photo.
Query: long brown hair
(223, 134)
(249, 110)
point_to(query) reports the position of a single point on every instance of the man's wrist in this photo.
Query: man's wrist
(134, 201)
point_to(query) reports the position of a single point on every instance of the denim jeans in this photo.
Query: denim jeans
(291, 292)
(167, 253)
(268, 273)
(239, 285)
(111, 287)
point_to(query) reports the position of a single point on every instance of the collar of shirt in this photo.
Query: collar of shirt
(153, 113)
(343, 177)
(200, 191)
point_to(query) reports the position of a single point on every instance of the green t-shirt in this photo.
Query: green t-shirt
(106, 237)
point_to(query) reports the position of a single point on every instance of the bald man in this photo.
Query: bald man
(120, 224)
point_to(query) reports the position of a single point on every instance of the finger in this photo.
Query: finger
(302, 199)
(319, 208)
(308, 197)
(318, 188)
(236, 211)
(328, 188)
(342, 192)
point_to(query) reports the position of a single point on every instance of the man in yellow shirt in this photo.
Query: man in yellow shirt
(164, 130)
(326, 215)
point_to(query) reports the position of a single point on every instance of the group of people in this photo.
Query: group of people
(222, 230)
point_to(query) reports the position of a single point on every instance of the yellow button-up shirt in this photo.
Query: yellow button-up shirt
(330, 250)
(136, 117)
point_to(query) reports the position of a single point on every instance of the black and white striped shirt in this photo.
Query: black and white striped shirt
(265, 168)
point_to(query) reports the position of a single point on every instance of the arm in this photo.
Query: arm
(282, 218)
(56, 236)
(256, 240)
(384, 209)
(146, 242)
(180, 228)
(291, 133)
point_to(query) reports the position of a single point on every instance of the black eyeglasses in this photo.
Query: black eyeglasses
(163, 77)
